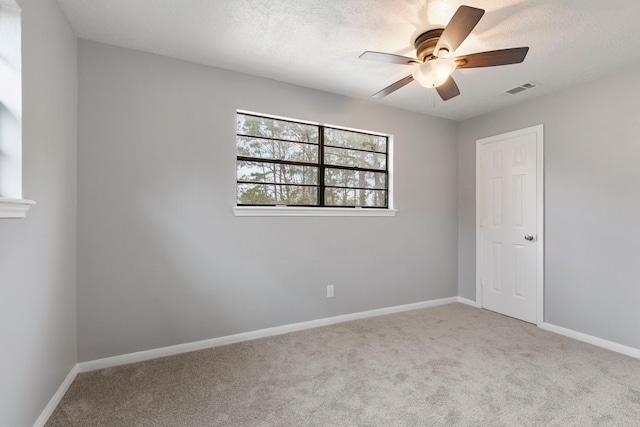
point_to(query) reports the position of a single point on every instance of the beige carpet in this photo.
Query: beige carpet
(451, 365)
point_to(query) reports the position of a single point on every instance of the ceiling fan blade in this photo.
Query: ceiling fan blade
(388, 58)
(460, 26)
(394, 87)
(492, 58)
(448, 89)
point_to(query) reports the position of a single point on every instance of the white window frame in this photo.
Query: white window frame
(12, 205)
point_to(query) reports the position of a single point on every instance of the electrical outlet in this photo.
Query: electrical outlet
(330, 291)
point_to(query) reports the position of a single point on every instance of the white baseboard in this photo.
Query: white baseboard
(468, 302)
(279, 330)
(57, 397)
(599, 342)
(140, 356)
(609, 345)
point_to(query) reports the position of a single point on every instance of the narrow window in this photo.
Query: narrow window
(12, 205)
(10, 101)
(288, 163)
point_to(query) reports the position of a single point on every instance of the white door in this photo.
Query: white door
(510, 216)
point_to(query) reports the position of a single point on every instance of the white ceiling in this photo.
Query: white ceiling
(316, 43)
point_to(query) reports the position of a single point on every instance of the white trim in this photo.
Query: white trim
(540, 237)
(57, 397)
(14, 208)
(539, 131)
(590, 339)
(467, 301)
(124, 359)
(140, 356)
(390, 174)
(298, 211)
(478, 241)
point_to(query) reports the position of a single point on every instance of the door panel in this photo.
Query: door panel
(496, 267)
(508, 212)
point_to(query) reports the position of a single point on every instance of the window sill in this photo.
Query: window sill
(14, 208)
(298, 211)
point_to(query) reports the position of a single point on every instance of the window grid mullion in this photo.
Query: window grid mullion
(277, 183)
(242, 135)
(356, 188)
(321, 167)
(355, 168)
(361, 150)
(276, 161)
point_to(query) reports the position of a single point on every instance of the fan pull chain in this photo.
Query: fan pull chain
(433, 98)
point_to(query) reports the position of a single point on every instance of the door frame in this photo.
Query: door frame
(539, 132)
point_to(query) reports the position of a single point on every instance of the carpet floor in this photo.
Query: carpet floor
(450, 365)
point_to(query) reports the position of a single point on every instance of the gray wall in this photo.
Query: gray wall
(162, 260)
(592, 203)
(37, 254)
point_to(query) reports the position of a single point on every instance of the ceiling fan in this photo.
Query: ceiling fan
(433, 65)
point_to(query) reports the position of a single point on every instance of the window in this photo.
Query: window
(12, 205)
(288, 163)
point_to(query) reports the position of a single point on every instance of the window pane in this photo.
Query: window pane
(339, 197)
(272, 128)
(353, 178)
(353, 197)
(273, 194)
(360, 141)
(270, 149)
(350, 158)
(276, 173)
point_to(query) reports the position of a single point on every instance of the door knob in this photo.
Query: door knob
(528, 237)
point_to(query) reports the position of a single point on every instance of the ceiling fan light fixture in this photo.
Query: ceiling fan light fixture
(435, 72)
(443, 53)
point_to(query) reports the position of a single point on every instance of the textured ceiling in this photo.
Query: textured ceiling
(317, 43)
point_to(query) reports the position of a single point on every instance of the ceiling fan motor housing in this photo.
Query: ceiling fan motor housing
(426, 43)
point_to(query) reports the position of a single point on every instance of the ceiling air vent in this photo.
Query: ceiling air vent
(521, 88)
